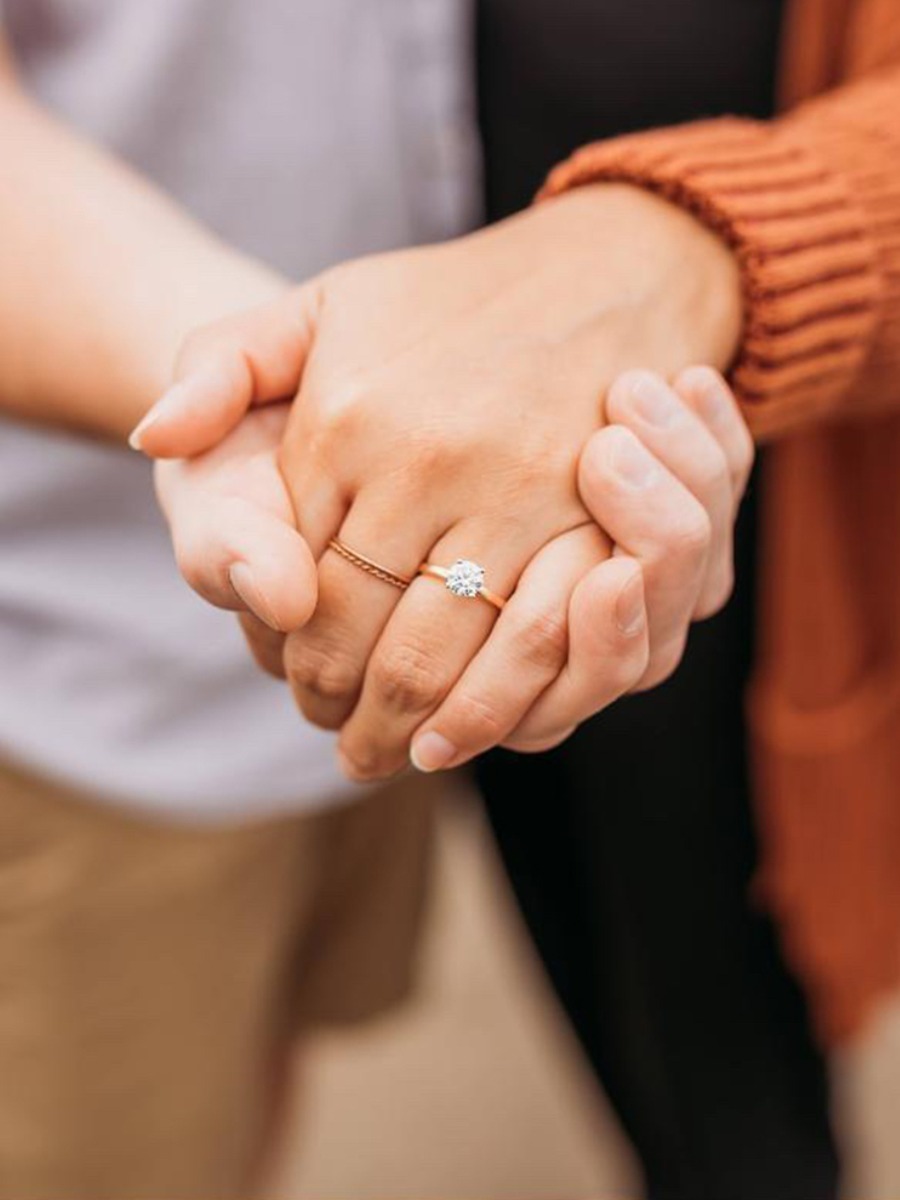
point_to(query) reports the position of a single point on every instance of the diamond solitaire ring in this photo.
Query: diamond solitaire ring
(464, 579)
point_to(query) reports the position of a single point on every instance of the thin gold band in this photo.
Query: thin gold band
(443, 574)
(370, 567)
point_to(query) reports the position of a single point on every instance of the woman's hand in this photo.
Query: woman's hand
(445, 403)
(232, 525)
(445, 399)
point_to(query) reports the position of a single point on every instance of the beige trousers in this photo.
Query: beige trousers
(152, 976)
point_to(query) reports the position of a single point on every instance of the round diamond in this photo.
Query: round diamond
(465, 579)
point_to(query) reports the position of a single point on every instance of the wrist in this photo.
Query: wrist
(653, 285)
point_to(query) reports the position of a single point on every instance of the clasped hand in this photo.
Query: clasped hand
(465, 401)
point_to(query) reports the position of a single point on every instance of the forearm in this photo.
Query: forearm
(810, 204)
(102, 277)
(618, 277)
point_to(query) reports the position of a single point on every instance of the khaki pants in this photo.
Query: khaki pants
(151, 977)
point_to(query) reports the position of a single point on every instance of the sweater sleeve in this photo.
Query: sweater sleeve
(810, 204)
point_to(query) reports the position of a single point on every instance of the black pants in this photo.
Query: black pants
(631, 861)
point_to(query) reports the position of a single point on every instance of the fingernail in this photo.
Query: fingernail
(134, 438)
(169, 404)
(634, 465)
(654, 400)
(245, 585)
(431, 752)
(630, 607)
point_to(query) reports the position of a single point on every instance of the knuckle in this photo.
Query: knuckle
(362, 764)
(193, 565)
(266, 646)
(538, 743)
(332, 412)
(747, 448)
(714, 474)
(625, 663)
(621, 401)
(409, 679)
(329, 715)
(596, 465)
(479, 718)
(428, 455)
(189, 567)
(266, 657)
(745, 460)
(541, 639)
(617, 405)
(716, 596)
(336, 400)
(320, 670)
(663, 664)
(692, 532)
(631, 665)
(328, 718)
(272, 665)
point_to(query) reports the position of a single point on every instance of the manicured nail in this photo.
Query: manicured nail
(432, 752)
(136, 435)
(630, 606)
(634, 465)
(654, 400)
(245, 585)
(170, 404)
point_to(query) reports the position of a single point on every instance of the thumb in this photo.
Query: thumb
(224, 369)
(241, 557)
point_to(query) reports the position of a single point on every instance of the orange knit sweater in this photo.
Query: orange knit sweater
(810, 202)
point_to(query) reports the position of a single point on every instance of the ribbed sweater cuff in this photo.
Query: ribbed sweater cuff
(810, 285)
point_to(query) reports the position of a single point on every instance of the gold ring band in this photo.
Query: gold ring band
(464, 579)
(371, 568)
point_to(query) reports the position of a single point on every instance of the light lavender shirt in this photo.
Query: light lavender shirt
(305, 132)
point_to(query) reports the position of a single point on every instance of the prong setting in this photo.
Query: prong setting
(465, 579)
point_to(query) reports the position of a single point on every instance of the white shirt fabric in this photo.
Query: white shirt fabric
(305, 132)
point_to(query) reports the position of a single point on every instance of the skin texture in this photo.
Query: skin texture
(445, 400)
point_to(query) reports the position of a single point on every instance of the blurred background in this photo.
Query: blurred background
(304, 134)
(476, 1089)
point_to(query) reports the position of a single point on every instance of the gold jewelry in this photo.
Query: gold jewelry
(370, 567)
(464, 579)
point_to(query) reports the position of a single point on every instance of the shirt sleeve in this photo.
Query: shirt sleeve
(810, 203)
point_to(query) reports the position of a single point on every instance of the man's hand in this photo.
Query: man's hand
(234, 535)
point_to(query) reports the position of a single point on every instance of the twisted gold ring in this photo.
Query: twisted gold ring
(371, 568)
